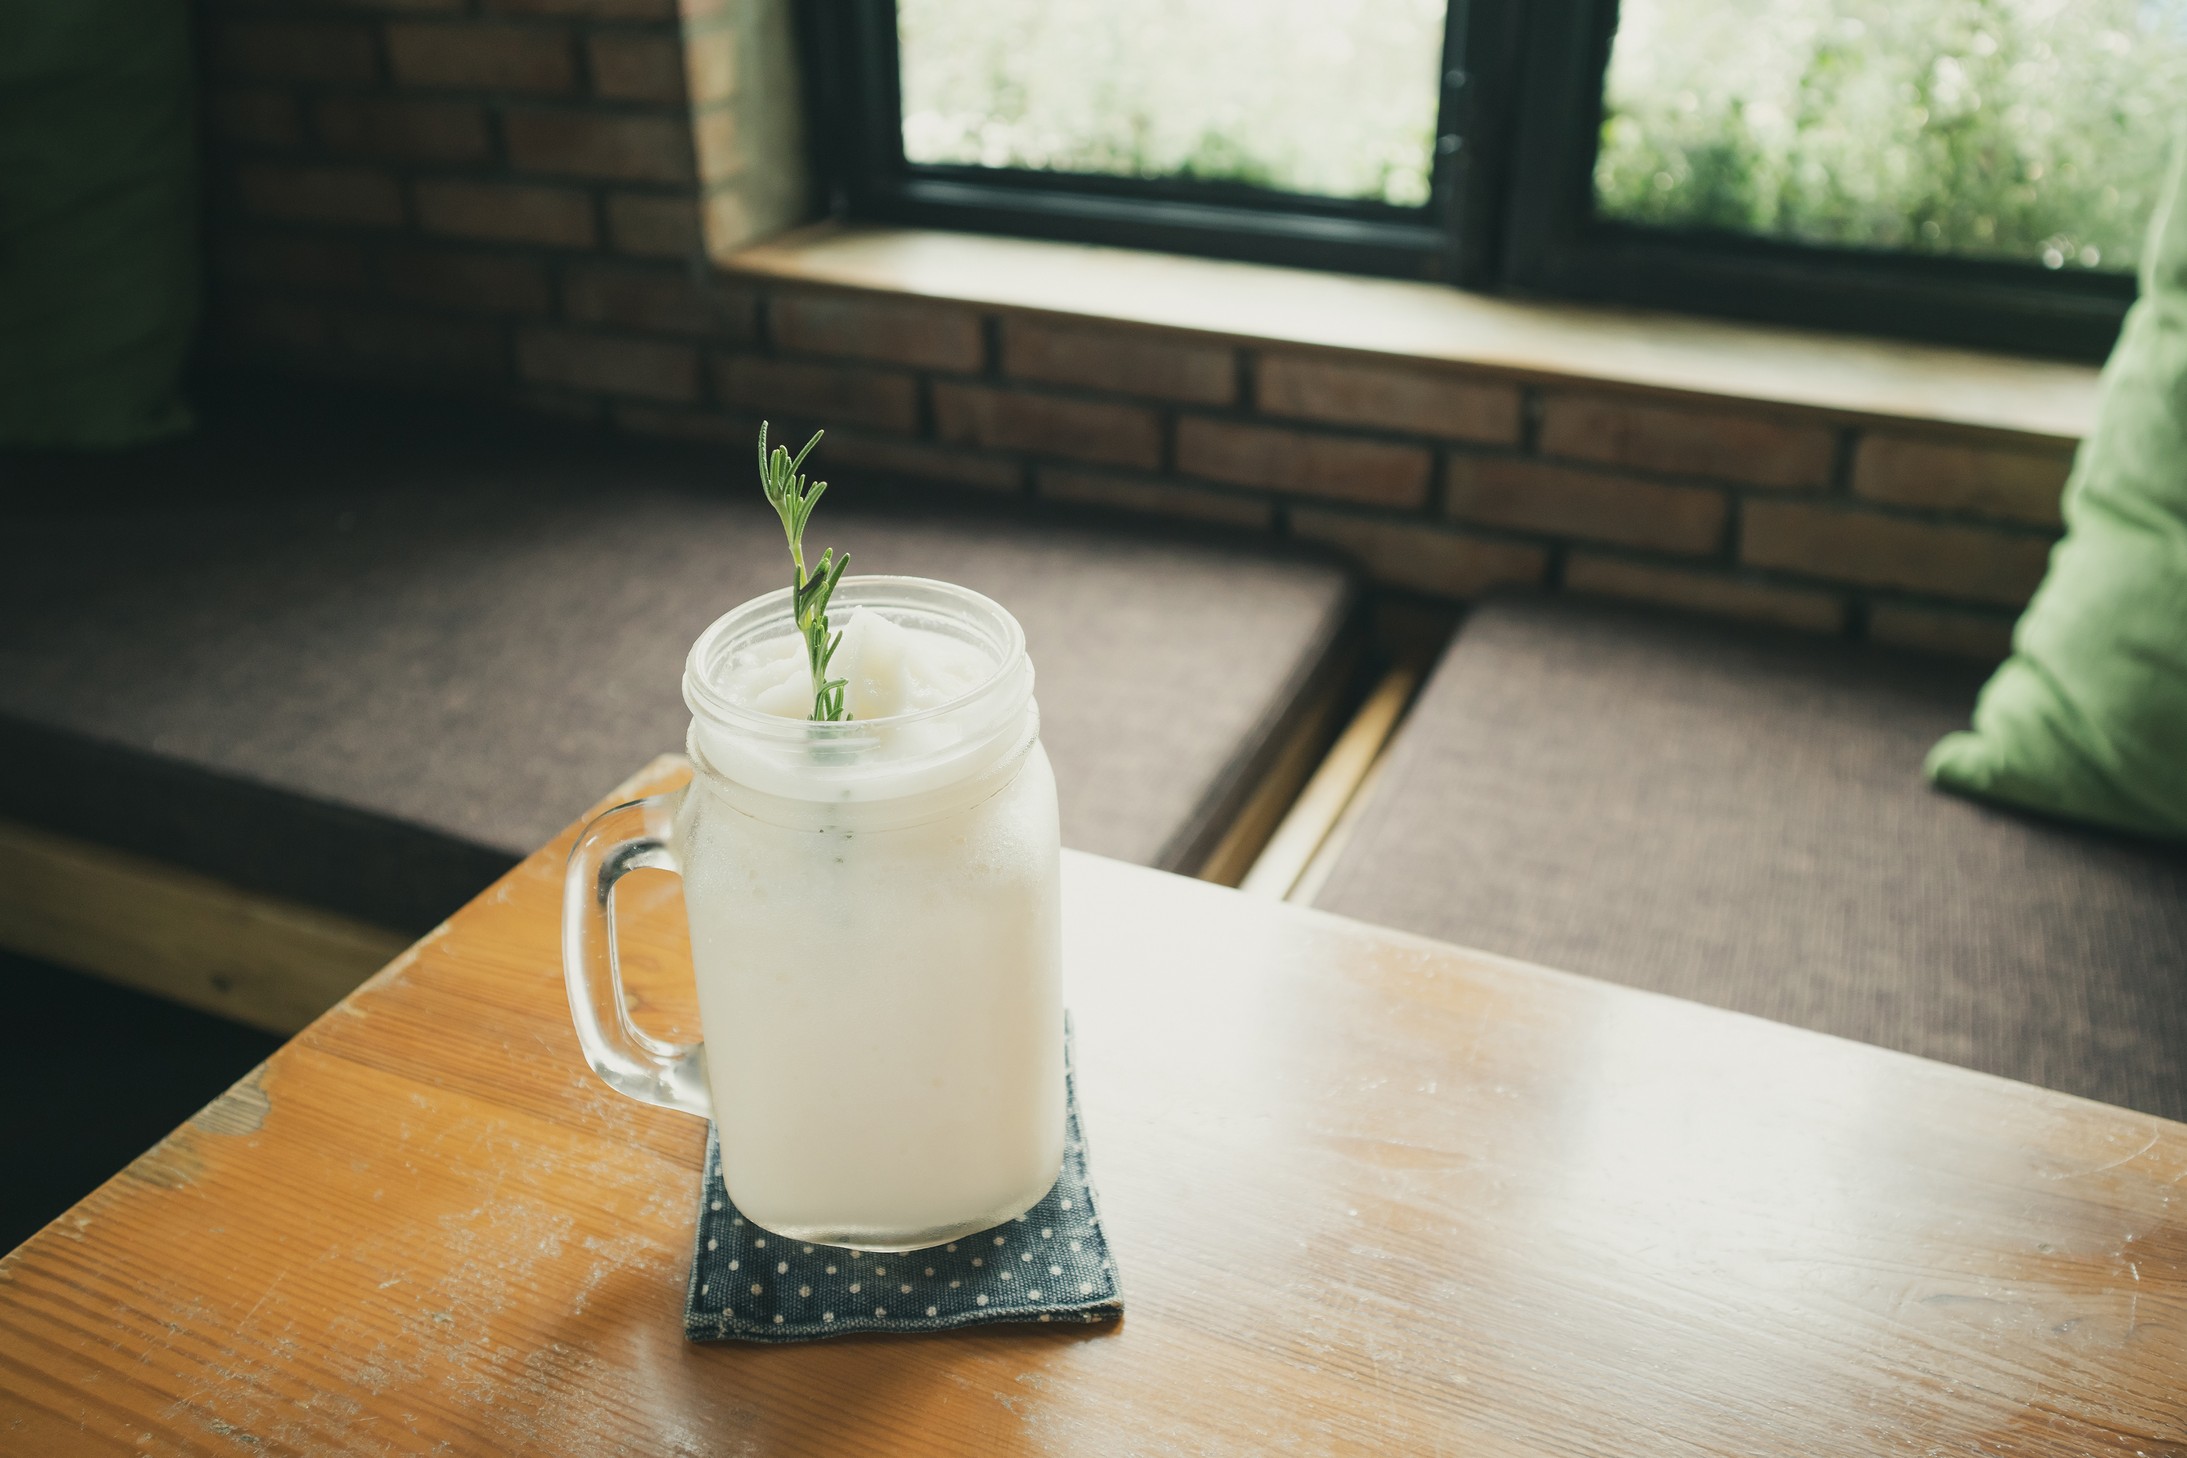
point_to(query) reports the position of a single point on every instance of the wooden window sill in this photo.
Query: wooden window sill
(1849, 379)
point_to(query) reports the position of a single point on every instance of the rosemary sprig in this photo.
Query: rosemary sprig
(788, 494)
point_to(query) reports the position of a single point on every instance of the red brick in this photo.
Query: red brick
(636, 65)
(252, 325)
(1952, 476)
(588, 9)
(1421, 557)
(1704, 592)
(260, 118)
(297, 50)
(1758, 450)
(404, 129)
(388, 7)
(899, 331)
(1089, 430)
(728, 222)
(1130, 362)
(824, 393)
(648, 368)
(1536, 496)
(882, 458)
(604, 145)
(1391, 397)
(483, 55)
(1151, 496)
(653, 227)
(710, 63)
(701, 425)
(411, 345)
(467, 280)
(1340, 468)
(665, 299)
(744, 213)
(360, 196)
(1940, 630)
(299, 261)
(507, 212)
(1882, 551)
(562, 404)
(720, 142)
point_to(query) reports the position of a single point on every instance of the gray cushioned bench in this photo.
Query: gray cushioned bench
(1739, 817)
(368, 669)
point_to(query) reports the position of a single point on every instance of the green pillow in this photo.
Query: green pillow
(99, 278)
(2088, 717)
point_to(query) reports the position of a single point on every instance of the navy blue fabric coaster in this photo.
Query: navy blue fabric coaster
(1051, 1264)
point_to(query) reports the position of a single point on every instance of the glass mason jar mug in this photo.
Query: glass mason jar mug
(875, 931)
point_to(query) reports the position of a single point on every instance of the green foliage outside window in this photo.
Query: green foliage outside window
(1332, 98)
(2031, 130)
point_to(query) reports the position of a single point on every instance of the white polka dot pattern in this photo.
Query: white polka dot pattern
(815, 1293)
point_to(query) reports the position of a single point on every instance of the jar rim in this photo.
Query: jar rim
(768, 615)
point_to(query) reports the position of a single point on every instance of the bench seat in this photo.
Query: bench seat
(1739, 817)
(368, 665)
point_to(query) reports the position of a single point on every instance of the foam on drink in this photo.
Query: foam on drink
(892, 669)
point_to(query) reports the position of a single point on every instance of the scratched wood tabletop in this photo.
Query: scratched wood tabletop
(1367, 1194)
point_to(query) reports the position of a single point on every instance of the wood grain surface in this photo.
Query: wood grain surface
(1319, 805)
(257, 959)
(1367, 1194)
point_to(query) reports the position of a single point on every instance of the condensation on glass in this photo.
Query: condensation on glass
(2026, 130)
(1330, 98)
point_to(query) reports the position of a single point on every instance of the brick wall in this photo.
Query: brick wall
(433, 189)
(1440, 480)
(520, 198)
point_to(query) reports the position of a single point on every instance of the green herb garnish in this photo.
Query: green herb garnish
(809, 593)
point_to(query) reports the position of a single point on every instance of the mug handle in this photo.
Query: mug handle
(636, 836)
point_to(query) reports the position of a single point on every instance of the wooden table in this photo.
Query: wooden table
(1368, 1194)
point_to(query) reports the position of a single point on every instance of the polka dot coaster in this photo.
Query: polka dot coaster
(1051, 1264)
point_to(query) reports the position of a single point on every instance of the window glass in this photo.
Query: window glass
(2029, 130)
(1334, 98)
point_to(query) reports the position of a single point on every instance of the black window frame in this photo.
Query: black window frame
(1511, 206)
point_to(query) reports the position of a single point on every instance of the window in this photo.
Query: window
(1306, 97)
(2024, 130)
(1297, 131)
(1976, 171)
